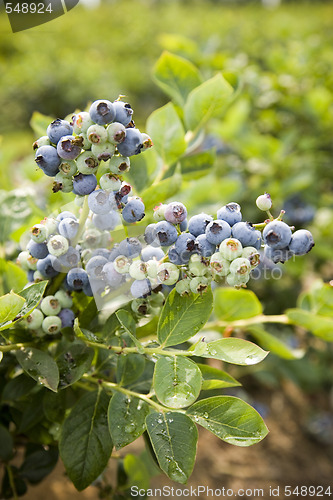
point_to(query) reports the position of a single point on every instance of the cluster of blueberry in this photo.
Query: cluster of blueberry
(72, 152)
(53, 313)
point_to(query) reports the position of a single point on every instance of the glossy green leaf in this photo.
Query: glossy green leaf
(176, 76)
(183, 317)
(32, 412)
(230, 419)
(321, 326)
(273, 344)
(17, 387)
(235, 351)
(213, 378)
(39, 463)
(231, 304)
(207, 100)
(74, 360)
(54, 405)
(167, 132)
(174, 438)
(127, 322)
(7, 444)
(127, 419)
(10, 305)
(177, 381)
(31, 295)
(161, 191)
(40, 366)
(129, 368)
(85, 445)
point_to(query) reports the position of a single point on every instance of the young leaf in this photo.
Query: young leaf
(85, 444)
(167, 132)
(321, 326)
(207, 101)
(177, 381)
(127, 419)
(235, 351)
(10, 305)
(174, 439)
(230, 419)
(176, 76)
(213, 378)
(183, 317)
(73, 362)
(273, 344)
(231, 304)
(40, 366)
(127, 322)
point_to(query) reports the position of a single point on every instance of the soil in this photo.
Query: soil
(289, 456)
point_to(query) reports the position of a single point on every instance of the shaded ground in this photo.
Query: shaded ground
(288, 456)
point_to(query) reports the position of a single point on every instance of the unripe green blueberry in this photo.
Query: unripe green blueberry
(119, 164)
(231, 248)
(152, 266)
(51, 325)
(199, 284)
(38, 233)
(237, 280)
(240, 266)
(86, 255)
(34, 320)
(62, 183)
(146, 141)
(103, 151)
(64, 298)
(159, 212)
(91, 238)
(116, 132)
(167, 273)
(50, 305)
(86, 144)
(32, 263)
(51, 226)
(140, 306)
(252, 255)
(22, 260)
(183, 286)
(68, 168)
(38, 277)
(264, 202)
(42, 141)
(110, 182)
(81, 122)
(138, 270)
(97, 134)
(219, 264)
(197, 265)
(87, 163)
(57, 245)
(122, 264)
(157, 299)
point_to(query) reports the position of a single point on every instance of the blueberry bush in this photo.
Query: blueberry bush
(115, 303)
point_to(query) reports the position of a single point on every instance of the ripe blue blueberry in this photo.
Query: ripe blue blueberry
(77, 278)
(84, 184)
(185, 245)
(165, 233)
(151, 252)
(217, 231)
(175, 212)
(183, 225)
(277, 254)
(231, 213)
(277, 234)
(65, 215)
(69, 147)
(246, 234)
(150, 235)
(48, 160)
(132, 143)
(204, 247)
(95, 266)
(130, 247)
(67, 318)
(106, 222)
(177, 259)
(111, 276)
(68, 228)
(102, 112)
(198, 223)
(100, 202)
(37, 250)
(301, 242)
(134, 210)
(45, 266)
(57, 129)
(140, 288)
(123, 111)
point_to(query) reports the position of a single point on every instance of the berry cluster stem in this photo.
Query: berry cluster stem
(243, 323)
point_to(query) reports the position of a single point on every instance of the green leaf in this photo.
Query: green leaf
(73, 362)
(136, 472)
(38, 464)
(54, 405)
(13, 277)
(85, 445)
(162, 191)
(129, 368)
(197, 165)
(213, 378)
(40, 366)
(31, 295)
(230, 419)
(17, 387)
(235, 351)
(174, 439)
(7, 444)
(207, 101)
(127, 419)
(177, 381)
(32, 412)
(167, 132)
(39, 123)
(321, 326)
(273, 344)
(10, 305)
(176, 76)
(127, 322)
(231, 304)
(183, 317)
